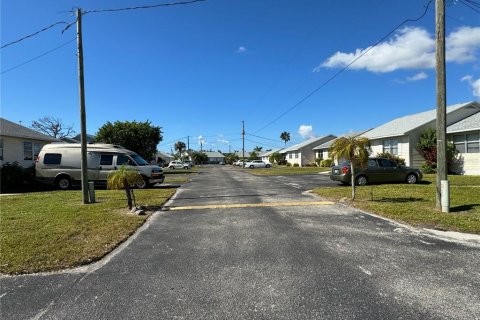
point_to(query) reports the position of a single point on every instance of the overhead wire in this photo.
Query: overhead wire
(471, 6)
(34, 34)
(143, 7)
(346, 67)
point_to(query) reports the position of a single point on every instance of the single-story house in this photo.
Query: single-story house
(322, 151)
(400, 136)
(265, 156)
(163, 158)
(465, 135)
(303, 153)
(21, 144)
(215, 157)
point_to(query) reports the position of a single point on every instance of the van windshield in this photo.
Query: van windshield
(139, 160)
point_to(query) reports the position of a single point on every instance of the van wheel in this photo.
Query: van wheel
(63, 182)
(144, 184)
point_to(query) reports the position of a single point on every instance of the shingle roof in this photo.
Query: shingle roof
(327, 144)
(12, 129)
(467, 124)
(403, 125)
(269, 153)
(214, 154)
(308, 142)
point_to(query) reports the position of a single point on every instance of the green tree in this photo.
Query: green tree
(125, 178)
(230, 158)
(353, 149)
(427, 145)
(285, 136)
(199, 157)
(253, 155)
(141, 137)
(257, 149)
(278, 158)
(180, 147)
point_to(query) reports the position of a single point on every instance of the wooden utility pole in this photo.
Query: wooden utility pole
(243, 143)
(441, 98)
(83, 122)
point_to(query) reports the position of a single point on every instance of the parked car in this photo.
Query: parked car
(377, 170)
(239, 163)
(256, 164)
(60, 164)
(177, 164)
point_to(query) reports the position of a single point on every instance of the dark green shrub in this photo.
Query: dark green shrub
(296, 165)
(12, 176)
(289, 164)
(326, 163)
(394, 158)
(429, 168)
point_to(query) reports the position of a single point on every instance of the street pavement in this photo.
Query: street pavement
(260, 248)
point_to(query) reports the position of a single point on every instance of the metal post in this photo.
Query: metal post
(243, 143)
(441, 129)
(83, 122)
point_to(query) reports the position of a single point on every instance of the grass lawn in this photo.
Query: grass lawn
(46, 231)
(415, 204)
(281, 171)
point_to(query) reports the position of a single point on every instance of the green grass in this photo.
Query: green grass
(46, 231)
(281, 171)
(415, 204)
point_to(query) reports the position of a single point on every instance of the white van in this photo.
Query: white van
(60, 164)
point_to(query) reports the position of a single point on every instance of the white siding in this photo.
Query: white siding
(13, 151)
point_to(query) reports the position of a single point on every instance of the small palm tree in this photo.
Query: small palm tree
(180, 146)
(285, 136)
(124, 178)
(354, 149)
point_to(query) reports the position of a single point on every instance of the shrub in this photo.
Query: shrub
(429, 168)
(289, 164)
(296, 165)
(12, 176)
(394, 158)
(318, 161)
(326, 163)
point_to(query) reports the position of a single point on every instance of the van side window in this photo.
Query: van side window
(106, 159)
(52, 158)
(122, 159)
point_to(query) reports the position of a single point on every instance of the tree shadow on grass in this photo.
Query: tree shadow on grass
(465, 207)
(400, 200)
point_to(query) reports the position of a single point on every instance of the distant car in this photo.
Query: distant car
(257, 164)
(378, 170)
(190, 163)
(177, 164)
(238, 163)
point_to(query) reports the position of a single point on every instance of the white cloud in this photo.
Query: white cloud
(419, 76)
(410, 48)
(241, 49)
(475, 84)
(223, 141)
(305, 131)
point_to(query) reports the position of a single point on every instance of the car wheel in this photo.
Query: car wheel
(411, 178)
(267, 166)
(144, 184)
(361, 180)
(63, 182)
(185, 167)
(251, 167)
(172, 167)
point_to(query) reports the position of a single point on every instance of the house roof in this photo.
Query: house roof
(15, 130)
(327, 144)
(269, 153)
(214, 154)
(467, 124)
(164, 154)
(308, 142)
(403, 125)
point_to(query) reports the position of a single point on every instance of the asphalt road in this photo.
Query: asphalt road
(254, 252)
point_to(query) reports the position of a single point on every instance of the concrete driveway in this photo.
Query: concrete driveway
(231, 245)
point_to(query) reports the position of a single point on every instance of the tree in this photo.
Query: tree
(257, 149)
(285, 136)
(353, 149)
(124, 178)
(141, 137)
(427, 145)
(253, 155)
(180, 146)
(199, 157)
(54, 127)
(278, 158)
(230, 158)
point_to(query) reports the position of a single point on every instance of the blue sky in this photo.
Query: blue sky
(199, 70)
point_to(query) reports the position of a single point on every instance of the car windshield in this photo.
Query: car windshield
(139, 160)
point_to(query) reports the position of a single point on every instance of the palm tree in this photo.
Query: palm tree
(124, 178)
(180, 146)
(354, 149)
(285, 136)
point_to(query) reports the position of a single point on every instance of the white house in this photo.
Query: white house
(322, 151)
(215, 157)
(20, 144)
(465, 134)
(303, 153)
(400, 136)
(266, 155)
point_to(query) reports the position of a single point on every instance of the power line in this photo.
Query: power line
(34, 34)
(346, 67)
(470, 5)
(261, 143)
(38, 57)
(143, 7)
(249, 134)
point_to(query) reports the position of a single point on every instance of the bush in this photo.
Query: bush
(318, 161)
(326, 163)
(394, 158)
(12, 176)
(289, 164)
(296, 165)
(429, 168)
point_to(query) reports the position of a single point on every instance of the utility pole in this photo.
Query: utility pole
(442, 194)
(243, 143)
(83, 122)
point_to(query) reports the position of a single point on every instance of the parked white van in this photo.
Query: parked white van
(60, 164)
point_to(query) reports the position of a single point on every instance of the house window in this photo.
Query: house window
(390, 146)
(467, 143)
(289, 156)
(31, 150)
(296, 155)
(1, 149)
